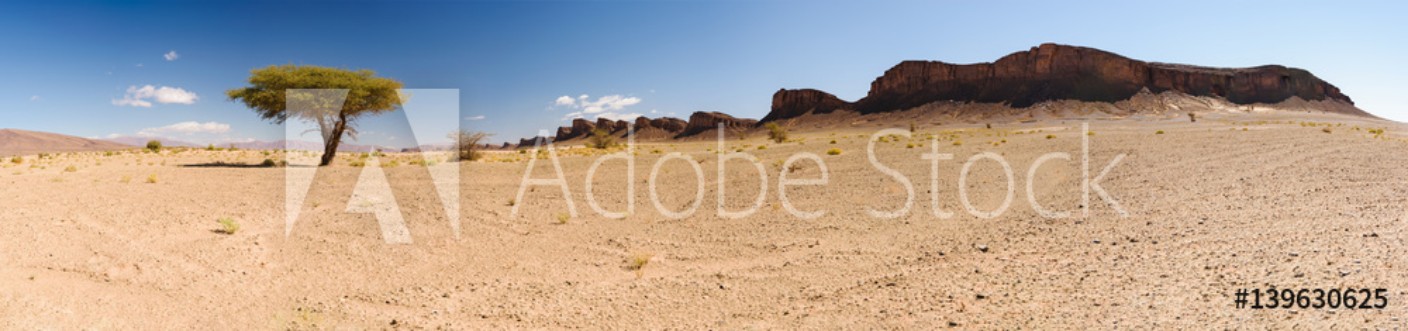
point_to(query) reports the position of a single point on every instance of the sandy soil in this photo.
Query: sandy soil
(1229, 202)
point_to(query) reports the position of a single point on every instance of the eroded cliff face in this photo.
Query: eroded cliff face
(1059, 72)
(705, 121)
(793, 103)
(667, 124)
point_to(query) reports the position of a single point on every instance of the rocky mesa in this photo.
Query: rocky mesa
(1059, 72)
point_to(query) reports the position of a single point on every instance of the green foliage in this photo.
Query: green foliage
(229, 226)
(273, 88)
(151, 179)
(601, 139)
(1159, 132)
(16, 160)
(154, 146)
(833, 151)
(776, 132)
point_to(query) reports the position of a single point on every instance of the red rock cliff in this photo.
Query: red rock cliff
(1056, 72)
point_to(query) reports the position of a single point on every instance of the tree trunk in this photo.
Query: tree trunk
(332, 139)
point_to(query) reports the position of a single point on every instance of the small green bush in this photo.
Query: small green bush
(154, 146)
(776, 132)
(1159, 132)
(229, 226)
(833, 151)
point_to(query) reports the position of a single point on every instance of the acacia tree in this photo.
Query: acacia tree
(317, 95)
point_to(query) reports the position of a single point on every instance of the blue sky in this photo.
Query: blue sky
(67, 67)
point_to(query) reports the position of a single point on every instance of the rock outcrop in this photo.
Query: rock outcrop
(792, 103)
(529, 142)
(667, 124)
(1059, 72)
(659, 127)
(612, 126)
(705, 121)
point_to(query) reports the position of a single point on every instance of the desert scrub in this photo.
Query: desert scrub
(1090, 133)
(909, 145)
(1159, 132)
(833, 141)
(512, 202)
(776, 133)
(601, 139)
(228, 225)
(958, 143)
(16, 160)
(563, 218)
(762, 147)
(1050, 136)
(125, 179)
(833, 151)
(154, 146)
(268, 163)
(70, 169)
(637, 263)
(1325, 130)
(151, 179)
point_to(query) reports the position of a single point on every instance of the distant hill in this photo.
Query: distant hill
(22, 142)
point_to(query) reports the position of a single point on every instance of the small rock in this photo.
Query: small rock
(982, 248)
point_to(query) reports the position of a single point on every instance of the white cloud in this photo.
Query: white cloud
(34, 98)
(171, 56)
(602, 107)
(190, 127)
(138, 96)
(565, 101)
(475, 118)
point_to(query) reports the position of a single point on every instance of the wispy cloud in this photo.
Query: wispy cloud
(171, 56)
(145, 95)
(475, 118)
(34, 98)
(190, 127)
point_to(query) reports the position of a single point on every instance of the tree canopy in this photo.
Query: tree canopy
(330, 97)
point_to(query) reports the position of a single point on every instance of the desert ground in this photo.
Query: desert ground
(130, 239)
